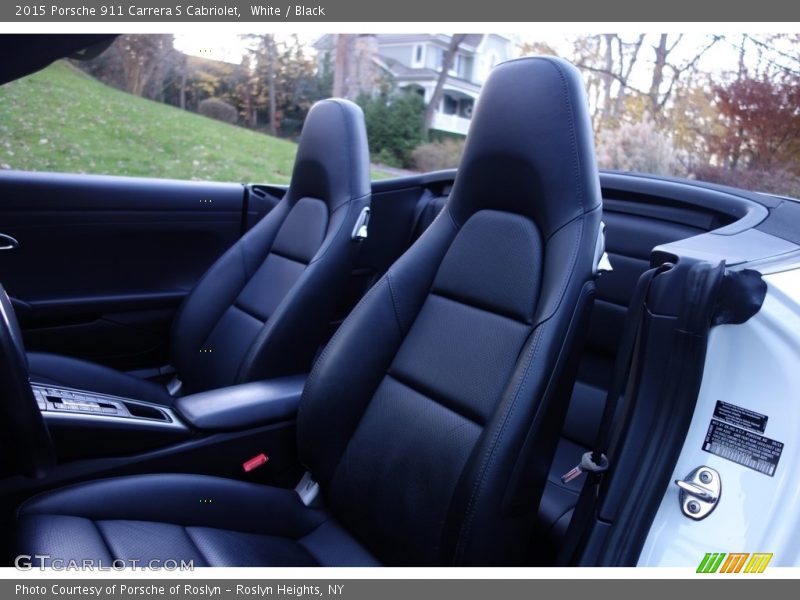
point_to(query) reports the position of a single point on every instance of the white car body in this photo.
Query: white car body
(756, 366)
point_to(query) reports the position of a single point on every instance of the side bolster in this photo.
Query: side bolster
(218, 289)
(292, 335)
(355, 361)
(497, 497)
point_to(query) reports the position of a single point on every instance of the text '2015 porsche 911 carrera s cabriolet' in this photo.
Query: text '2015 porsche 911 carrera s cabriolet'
(524, 361)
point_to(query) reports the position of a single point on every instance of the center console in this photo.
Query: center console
(55, 401)
(89, 424)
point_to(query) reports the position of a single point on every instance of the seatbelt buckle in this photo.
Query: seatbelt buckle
(587, 465)
(174, 386)
(308, 491)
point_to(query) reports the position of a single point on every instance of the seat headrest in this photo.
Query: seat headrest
(332, 162)
(530, 146)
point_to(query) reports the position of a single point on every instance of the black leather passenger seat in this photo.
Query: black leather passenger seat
(263, 307)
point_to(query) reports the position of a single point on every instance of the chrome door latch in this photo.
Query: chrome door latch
(700, 492)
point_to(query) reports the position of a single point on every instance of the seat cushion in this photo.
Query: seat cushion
(53, 369)
(208, 520)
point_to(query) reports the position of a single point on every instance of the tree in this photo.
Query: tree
(283, 85)
(196, 79)
(145, 65)
(146, 62)
(616, 77)
(297, 86)
(691, 119)
(762, 123)
(265, 54)
(344, 49)
(355, 72)
(394, 126)
(667, 74)
(182, 86)
(637, 147)
(448, 59)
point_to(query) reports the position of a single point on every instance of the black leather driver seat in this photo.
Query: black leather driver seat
(430, 419)
(263, 308)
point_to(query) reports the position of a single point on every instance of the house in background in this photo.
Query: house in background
(414, 62)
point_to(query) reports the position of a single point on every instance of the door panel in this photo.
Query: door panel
(103, 262)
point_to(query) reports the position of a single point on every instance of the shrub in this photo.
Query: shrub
(779, 180)
(444, 154)
(395, 126)
(220, 110)
(637, 147)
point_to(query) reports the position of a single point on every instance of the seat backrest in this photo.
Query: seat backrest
(430, 418)
(262, 309)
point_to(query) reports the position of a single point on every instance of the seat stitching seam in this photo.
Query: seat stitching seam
(437, 399)
(489, 455)
(349, 203)
(313, 376)
(285, 256)
(103, 539)
(216, 321)
(571, 268)
(303, 544)
(573, 134)
(475, 306)
(489, 458)
(394, 301)
(235, 304)
(196, 546)
(555, 522)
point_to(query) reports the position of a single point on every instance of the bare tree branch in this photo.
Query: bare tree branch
(447, 63)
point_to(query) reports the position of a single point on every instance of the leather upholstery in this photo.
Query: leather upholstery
(456, 346)
(262, 309)
(243, 406)
(212, 521)
(430, 418)
(629, 240)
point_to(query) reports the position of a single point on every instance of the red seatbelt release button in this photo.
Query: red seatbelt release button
(255, 462)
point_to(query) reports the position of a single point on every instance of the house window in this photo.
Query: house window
(465, 107)
(458, 65)
(417, 55)
(434, 57)
(449, 105)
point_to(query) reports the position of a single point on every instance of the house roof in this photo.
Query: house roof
(471, 42)
(403, 72)
(473, 39)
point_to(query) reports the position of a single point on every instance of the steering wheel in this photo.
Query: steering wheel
(26, 440)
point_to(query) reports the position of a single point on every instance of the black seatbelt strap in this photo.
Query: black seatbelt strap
(595, 462)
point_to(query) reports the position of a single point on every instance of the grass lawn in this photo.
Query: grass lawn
(60, 119)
